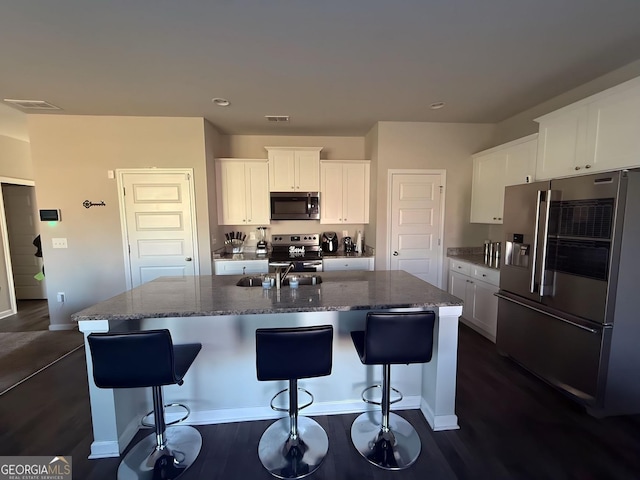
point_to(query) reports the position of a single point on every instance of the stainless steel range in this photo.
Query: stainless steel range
(301, 249)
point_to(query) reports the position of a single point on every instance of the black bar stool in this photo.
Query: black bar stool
(386, 439)
(149, 359)
(293, 447)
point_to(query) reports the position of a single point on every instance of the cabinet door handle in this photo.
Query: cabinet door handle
(395, 254)
(587, 166)
(577, 168)
(188, 259)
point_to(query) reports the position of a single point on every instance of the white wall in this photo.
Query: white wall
(71, 157)
(333, 148)
(15, 163)
(445, 146)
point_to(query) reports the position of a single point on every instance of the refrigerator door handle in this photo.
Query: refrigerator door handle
(577, 325)
(544, 289)
(534, 255)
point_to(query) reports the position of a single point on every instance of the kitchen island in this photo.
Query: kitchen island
(221, 385)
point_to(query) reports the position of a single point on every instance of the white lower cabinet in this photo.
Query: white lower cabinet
(347, 263)
(240, 267)
(476, 286)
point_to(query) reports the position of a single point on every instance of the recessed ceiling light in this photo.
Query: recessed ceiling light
(436, 105)
(221, 102)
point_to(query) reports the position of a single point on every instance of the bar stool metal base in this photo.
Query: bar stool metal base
(286, 459)
(394, 450)
(145, 462)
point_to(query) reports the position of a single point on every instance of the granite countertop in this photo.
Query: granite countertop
(219, 295)
(475, 256)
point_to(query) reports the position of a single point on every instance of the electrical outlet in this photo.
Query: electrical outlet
(214, 240)
(252, 235)
(60, 297)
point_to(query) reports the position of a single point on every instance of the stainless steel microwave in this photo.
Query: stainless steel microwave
(295, 206)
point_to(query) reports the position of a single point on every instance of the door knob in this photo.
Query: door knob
(188, 259)
(395, 254)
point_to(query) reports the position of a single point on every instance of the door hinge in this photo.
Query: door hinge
(188, 175)
(438, 242)
(129, 247)
(124, 191)
(441, 189)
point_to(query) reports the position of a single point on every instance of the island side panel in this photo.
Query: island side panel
(439, 375)
(115, 413)
(221, 385)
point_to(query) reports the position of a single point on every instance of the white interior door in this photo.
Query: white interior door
(22, 228)
(159, 223)
(416, 224)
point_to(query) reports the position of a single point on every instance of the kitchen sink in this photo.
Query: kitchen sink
(302, 280)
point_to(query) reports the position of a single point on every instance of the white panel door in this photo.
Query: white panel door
(416, 225)
(22, 228)
(160, 225)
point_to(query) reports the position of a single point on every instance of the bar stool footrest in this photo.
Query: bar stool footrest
(373, 402)
(280, 409)
(181, 405)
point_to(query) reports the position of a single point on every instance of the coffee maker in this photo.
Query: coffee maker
(348, 244)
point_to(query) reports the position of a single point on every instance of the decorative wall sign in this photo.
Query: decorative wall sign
(88, 204)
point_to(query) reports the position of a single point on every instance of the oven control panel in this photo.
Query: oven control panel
(296, 239)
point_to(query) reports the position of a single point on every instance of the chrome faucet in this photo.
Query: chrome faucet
(280, 276)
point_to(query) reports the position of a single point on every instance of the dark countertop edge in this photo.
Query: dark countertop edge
(186, 314)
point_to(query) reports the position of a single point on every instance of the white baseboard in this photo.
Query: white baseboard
(63, 326)
(438, 422)
(209, 417)
(113, 448)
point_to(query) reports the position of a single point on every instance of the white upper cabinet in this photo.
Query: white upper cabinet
(294, 169)
(344, 191)
(596, 134)
(493, 169)
(242, 191)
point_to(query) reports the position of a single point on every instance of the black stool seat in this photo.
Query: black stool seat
(386, 439)
(148, 359)
(293, 447)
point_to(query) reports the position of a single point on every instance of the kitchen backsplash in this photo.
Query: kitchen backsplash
(452, 251)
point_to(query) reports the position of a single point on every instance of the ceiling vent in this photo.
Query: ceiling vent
(277, 118)
(32, 104)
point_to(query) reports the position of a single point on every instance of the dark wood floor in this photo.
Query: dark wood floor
(33, 315)
(512, 427)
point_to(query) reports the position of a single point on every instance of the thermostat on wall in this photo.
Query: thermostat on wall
(50, 215)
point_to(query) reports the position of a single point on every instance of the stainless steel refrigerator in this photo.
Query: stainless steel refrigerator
(569, 299)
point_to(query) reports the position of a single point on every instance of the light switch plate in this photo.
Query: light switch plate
(59, 242)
